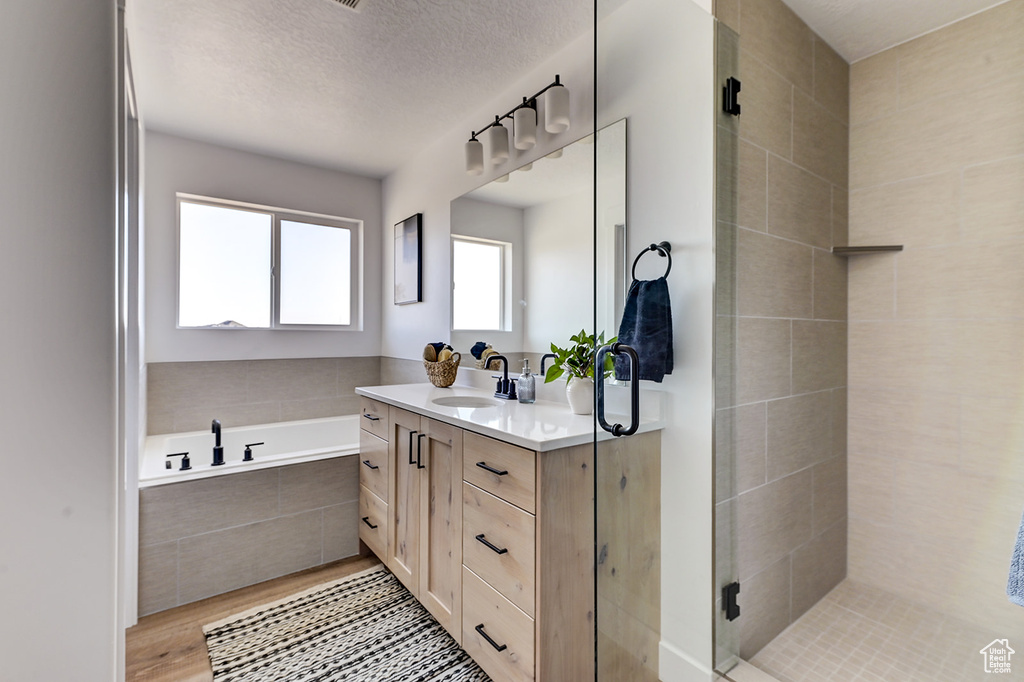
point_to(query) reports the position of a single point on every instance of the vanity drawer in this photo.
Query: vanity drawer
(374, 417)
(508, 566)
(503, 623)
(515, 480)
(373, 522)
(373, 464)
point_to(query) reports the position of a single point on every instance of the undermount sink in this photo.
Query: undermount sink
(465, 401)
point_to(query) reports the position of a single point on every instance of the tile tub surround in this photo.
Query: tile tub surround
(206, 537)
(781, 319)
(936, 359)
(185, 396)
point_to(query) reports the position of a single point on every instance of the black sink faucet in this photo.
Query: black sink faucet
(218, 450)
(543, 359)
(506, 390)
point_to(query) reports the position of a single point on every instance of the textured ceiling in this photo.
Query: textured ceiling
(860, 28)
(313, 81)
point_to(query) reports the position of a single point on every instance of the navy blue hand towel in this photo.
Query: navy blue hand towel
(647, 327)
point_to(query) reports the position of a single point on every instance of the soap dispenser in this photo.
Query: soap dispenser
(527, 384)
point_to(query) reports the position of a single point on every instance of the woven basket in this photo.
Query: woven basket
(442, 374)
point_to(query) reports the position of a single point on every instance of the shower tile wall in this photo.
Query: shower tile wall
(936, 371)
(186, 396)
(781, 365)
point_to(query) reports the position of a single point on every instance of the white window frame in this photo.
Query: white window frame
(355, 228)
(505, 302)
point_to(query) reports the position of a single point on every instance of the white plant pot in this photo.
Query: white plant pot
(580, 393)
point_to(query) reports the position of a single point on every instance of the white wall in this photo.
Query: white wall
(175, 164)
(656, 68)
(57, 278)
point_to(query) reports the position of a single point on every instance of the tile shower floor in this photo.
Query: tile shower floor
(861, 634)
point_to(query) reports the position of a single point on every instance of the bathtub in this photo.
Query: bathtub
(285, 443)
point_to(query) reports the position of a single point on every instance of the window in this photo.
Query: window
(478, 284)
(243, 266)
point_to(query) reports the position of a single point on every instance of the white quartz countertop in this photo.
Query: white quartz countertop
(539, 426)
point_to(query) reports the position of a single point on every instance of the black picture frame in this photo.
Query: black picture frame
(409, 260)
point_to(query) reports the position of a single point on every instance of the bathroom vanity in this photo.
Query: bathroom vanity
(484, 509)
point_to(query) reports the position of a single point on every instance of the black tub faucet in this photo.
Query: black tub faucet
(506, 390)
(218, 450)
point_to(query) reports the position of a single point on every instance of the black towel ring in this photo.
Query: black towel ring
(664, 250)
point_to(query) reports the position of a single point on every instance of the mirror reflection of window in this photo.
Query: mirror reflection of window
(478, 279)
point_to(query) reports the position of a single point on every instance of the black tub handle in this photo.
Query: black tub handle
(634, 389)
(496, 550)
(366, 520)
(480, 629)
(372, 466)
(483, 465)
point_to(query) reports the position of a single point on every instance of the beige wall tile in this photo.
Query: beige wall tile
(839, 422)
(831, 80)
(872, 287)
(991, 429)
(840, 216)
(325, 483)
(820, 140)
(767, 100)
(727, 180)
(763, 367)
(799, 204)
(725, 269)
(225, 560)
(874, 87)
(764, 604)
(980, 50)
(739, 449)
(993, 203)
(777, 35)
(753, 171)
(799, 433)
(905, 424)
(818, 567)
(728, 12)
(292, 379)
(913, 354)
(176, 385)
(773, 276)
(870, 482)
(830, 286)
(198, 419)
(819, 355)
(341, 531)
(727, 361)
(940, 502)
(919, 212)
(353, 372)
(400, 371)
(725, 542)
(178, 510)
(158, 577)
(315, 408)
(940, 136)
(771, 521)
(989, 358)
(159, 421)
(829, 495)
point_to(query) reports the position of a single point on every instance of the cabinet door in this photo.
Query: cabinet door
(404, 502)
(441, 524)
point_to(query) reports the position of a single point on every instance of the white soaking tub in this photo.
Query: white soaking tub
(284, 443)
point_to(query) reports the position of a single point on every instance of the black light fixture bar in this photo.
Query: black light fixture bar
(527, 102)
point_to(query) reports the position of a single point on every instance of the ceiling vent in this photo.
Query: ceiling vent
(351, 4)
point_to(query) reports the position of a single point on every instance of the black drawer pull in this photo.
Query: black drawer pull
(419, 451)
(366, 520)
(497, 550)
(483, 465)
(371, 417)
(372, 466)
(480, 629)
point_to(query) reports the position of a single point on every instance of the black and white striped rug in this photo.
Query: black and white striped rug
(365, 627)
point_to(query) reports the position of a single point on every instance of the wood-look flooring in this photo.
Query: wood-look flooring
(170, 647)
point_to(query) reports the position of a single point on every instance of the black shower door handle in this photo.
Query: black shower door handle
(634, 389)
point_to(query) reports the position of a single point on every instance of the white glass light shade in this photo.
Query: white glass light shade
(556, 109)
(524, 127)
(498, 136)
(474, 157)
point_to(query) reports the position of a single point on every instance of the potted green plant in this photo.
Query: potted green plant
(577, 361)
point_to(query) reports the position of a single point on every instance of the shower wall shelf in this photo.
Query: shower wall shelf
(858, 250)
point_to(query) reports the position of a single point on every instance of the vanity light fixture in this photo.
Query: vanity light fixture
(524, 127)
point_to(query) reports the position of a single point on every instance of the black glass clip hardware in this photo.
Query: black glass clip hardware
(483, 465)
(497, 550)
(366, 520)
(729, 605)
(731, 93)
(480, 629)
(371, 466)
